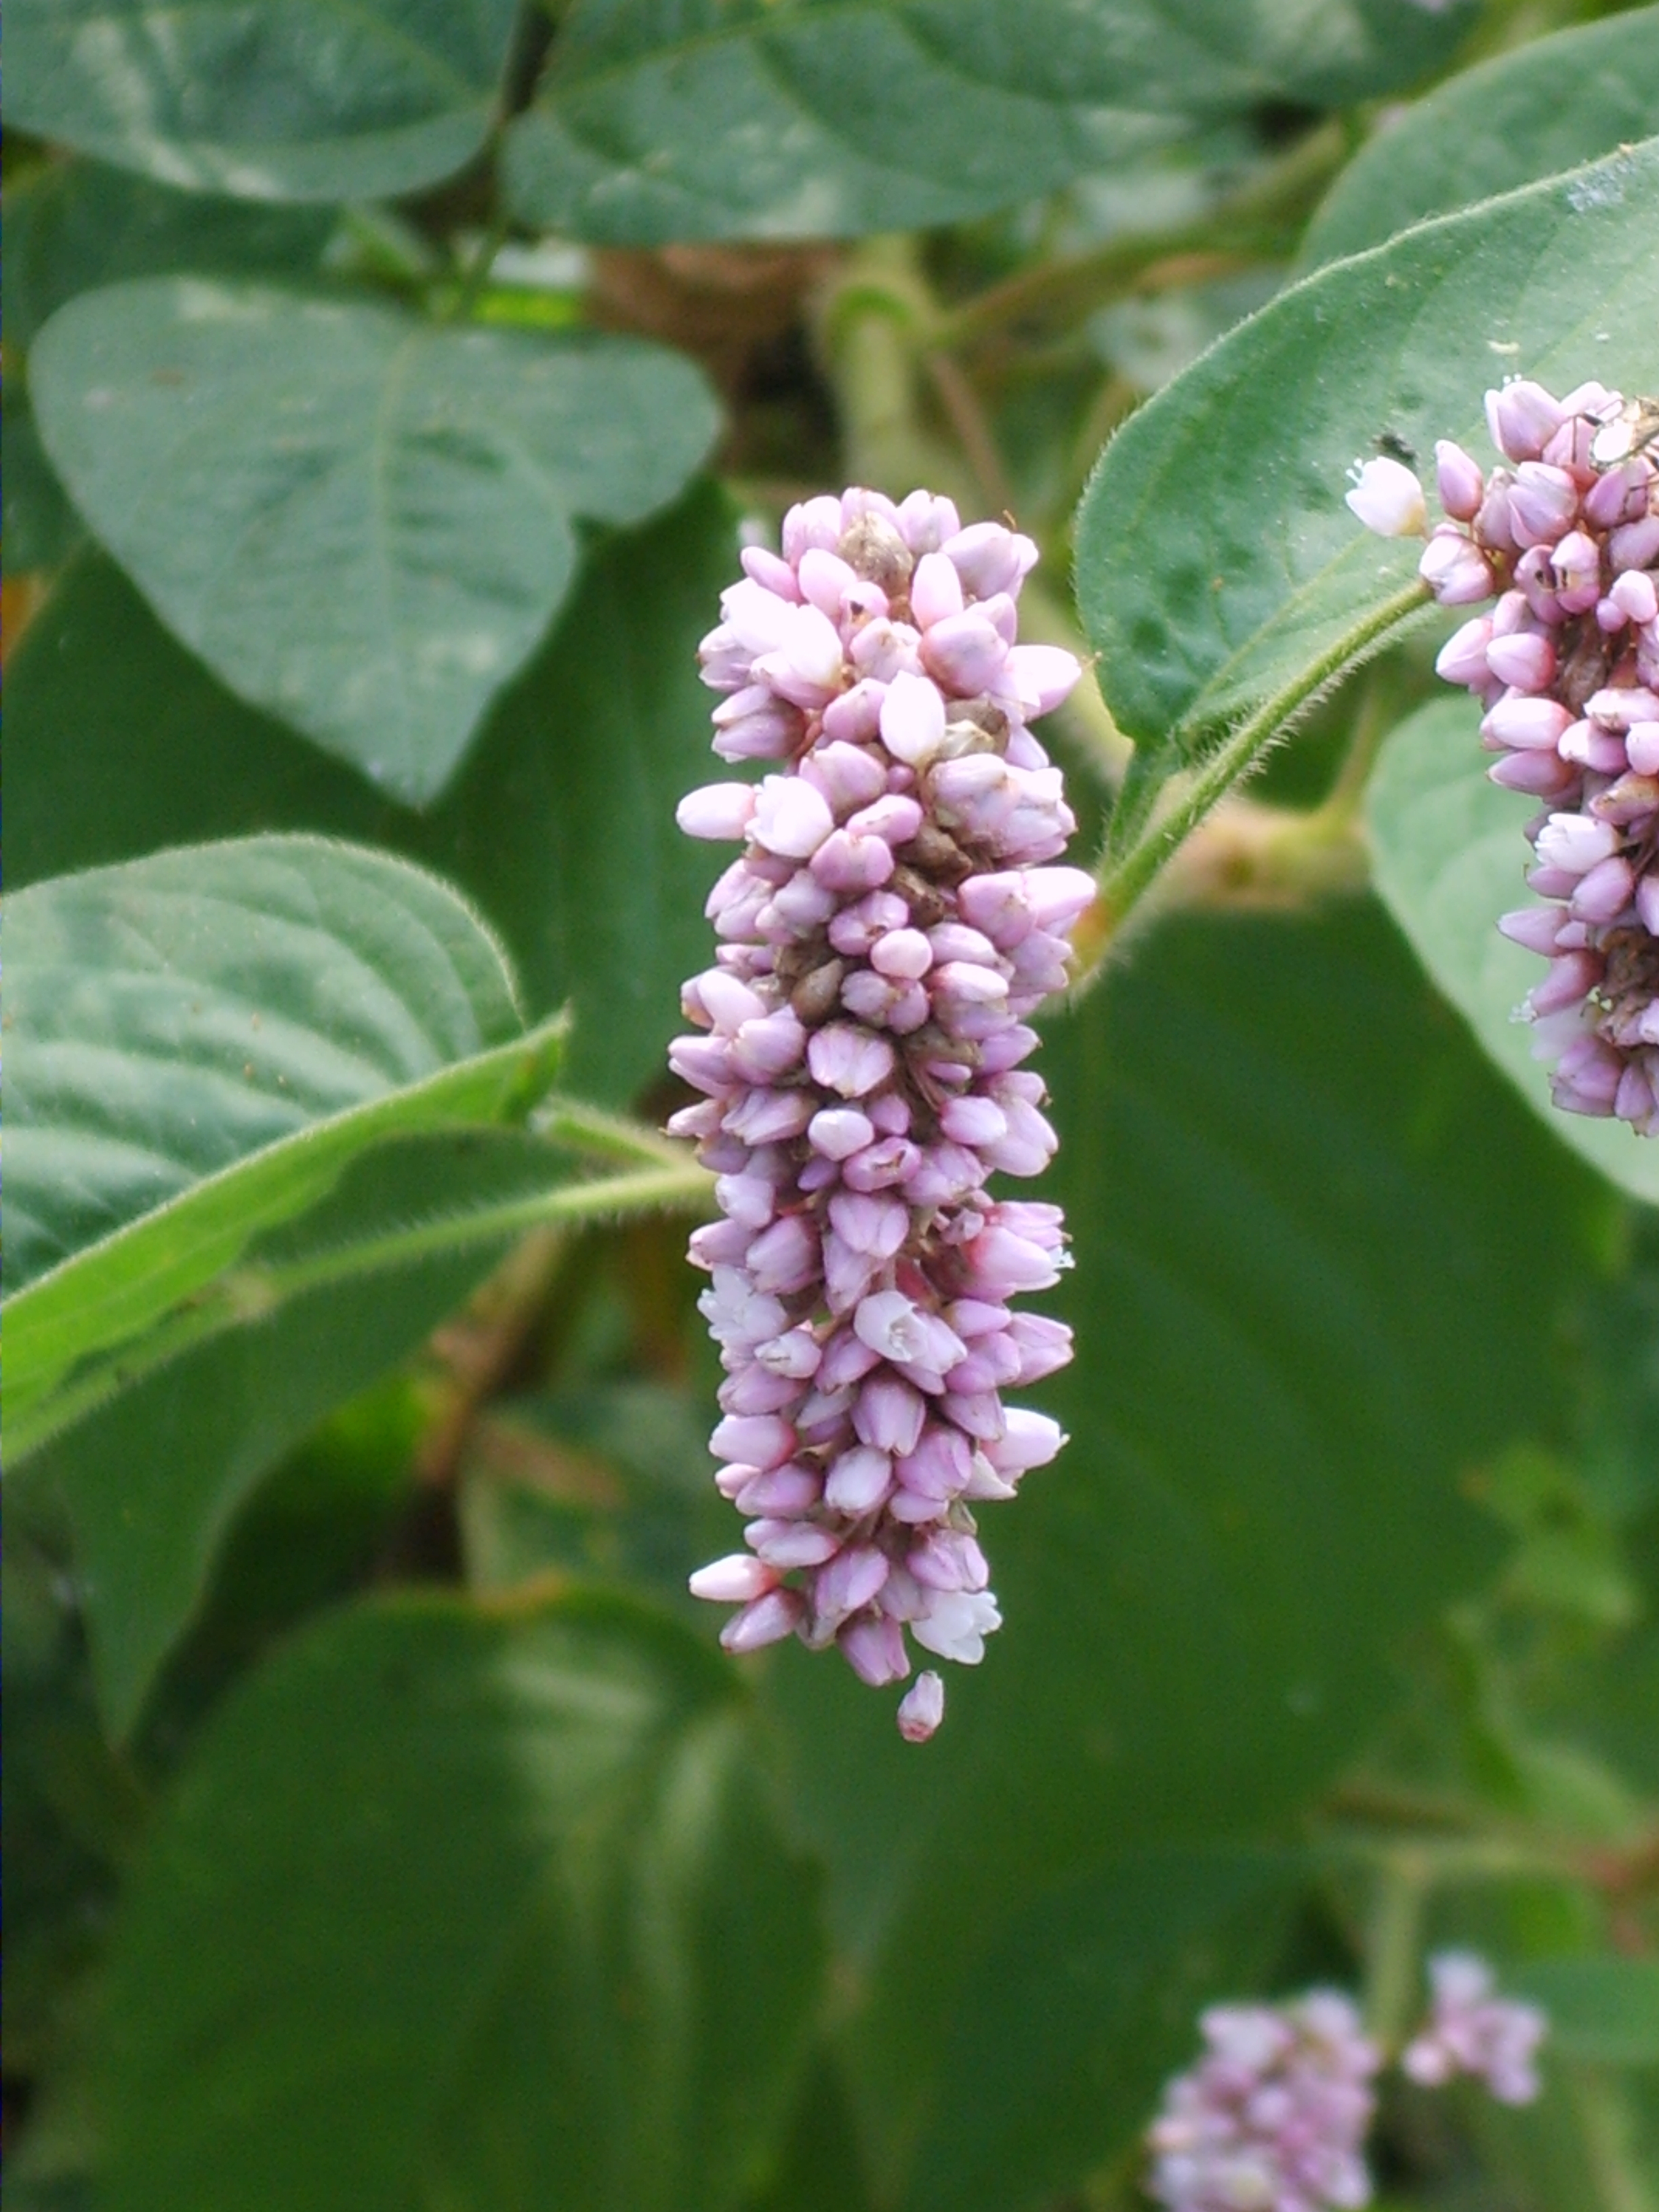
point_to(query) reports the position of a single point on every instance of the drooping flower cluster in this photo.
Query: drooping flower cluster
(1470, 2030)
(1274, 2116)
(1565, 538)
(894, 918)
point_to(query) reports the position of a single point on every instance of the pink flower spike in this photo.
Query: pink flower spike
(892, 918)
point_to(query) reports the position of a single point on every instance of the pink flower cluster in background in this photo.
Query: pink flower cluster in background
(1470, 2031)
(1564, 536)
(895, 917)
(1273, 2118)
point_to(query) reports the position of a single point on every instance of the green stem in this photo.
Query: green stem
(1607, 2130)
(1393, 1942)
(1374, 720)
(872, 336)
(1260, 224)
(648, 1191)
(476, 275)
(604, 1136)
(1124, 880)
(254, 1291)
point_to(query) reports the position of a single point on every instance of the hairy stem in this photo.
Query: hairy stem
(254, 1291)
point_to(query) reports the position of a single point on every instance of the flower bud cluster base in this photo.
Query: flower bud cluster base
(1564, 536)
(895, 917)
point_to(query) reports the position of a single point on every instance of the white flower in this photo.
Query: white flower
(1388, 498)
(958, 1624)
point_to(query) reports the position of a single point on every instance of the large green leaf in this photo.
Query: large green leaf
(362, 522)
(154, 1473)
(1319, 1251)
(827, 117)
(1106, 1976)
(275, 99)
(1604, 2010)
(73, 226)
(1450, 858)
(561, 824)
(1549, 105)
(200, 1042)
(1219, 574)
(465, 1909)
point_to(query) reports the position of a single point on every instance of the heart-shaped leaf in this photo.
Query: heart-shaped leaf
(200, 1042)
(813, 120)
(1220, 576)
(273, 99)
(1450, 858)
(362, 522)
(1544, 107)
(589, 1988)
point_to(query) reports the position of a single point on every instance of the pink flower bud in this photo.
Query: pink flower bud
(1455, 570)
(1460, 480)
(921, 1708)
(1522, 417)
(735, 1580)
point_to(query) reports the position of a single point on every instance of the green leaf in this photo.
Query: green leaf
(75, 225)
(41, 529)
(561, 824)
(1450, 857)
(1107, 1976)
(362, 522)
(155, 1472)
(1219, 574)
(1546, 105)
(272, 99)
(465, 1909)
(1319, 1253)
(200, 1042)
(1604, 2010)
(825, 120)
